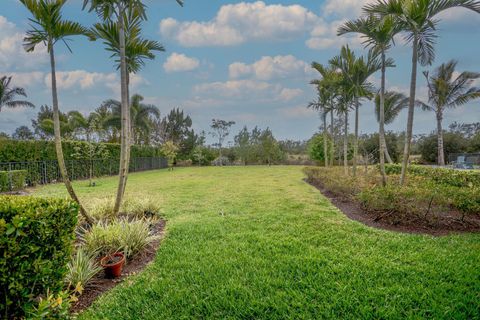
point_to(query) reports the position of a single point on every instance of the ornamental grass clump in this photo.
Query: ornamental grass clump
(120, 235)
(82, 268)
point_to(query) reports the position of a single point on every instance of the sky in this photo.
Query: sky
(246, 61)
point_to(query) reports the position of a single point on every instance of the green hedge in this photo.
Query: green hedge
(457, 178)
(36, 241)
(39, 150)
(13, 180)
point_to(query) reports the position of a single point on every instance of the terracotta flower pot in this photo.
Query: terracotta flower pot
(113, 265)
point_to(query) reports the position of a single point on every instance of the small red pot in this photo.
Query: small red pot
(113, 270)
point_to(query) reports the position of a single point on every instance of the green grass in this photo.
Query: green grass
(259, 243)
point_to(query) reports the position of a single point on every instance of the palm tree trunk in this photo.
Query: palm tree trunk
(325, 138)
(387, 154)
(130, 131)
(345, 144)
(411, 110)
(124, 138)
(441, 152)
(58, 140)
(355, 143)
(382, 144)
(332, 135)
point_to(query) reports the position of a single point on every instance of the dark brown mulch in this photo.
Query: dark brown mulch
(447, 223)
(100, 284)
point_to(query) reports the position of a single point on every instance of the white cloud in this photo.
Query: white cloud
(288, 94)
(324, 36)
(345, 8)
(268, 68)
(178, 62)
(238, 23)
(237, 88)
(12, 53)
(299, 111)
(80, 79)
(25, 79)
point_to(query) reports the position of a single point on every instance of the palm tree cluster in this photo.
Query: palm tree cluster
(120, 31)
(101, 125)
(345, 80)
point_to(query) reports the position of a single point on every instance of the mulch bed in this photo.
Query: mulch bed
(100, 284)
(444, 224)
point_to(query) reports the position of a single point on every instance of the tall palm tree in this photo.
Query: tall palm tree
(8, 95)
(117, 11)
(394, 103)
(48, 28)
(329, 83)
(418, 19)
(448, 90)
(356, 72)
(377, 35)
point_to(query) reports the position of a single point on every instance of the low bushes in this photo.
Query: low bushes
(457, 178)
(36, 241)
(12, 180)
(425, 196)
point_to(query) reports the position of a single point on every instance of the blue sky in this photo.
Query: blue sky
(242, 61)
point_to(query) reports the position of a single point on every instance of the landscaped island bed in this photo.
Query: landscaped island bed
(259, 242)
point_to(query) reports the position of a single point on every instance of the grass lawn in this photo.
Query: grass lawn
(259, 243)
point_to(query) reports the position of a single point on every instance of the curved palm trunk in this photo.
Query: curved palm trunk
(58, 140)
(345, 144)
(387, 154)
(355, 143)
(441, 152)
(325, 137)
(332, 135)
(411, 110)
(381, 131)
(124, 139)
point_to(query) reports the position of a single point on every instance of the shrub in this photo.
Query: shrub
(457, 178)
(39, 150)
(81, 268)
(36, 240)
(12, 180)
(429, 191)
(316, 149)
(129, 237)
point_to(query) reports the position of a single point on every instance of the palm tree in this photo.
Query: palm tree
(141, 119)
(329, 84)
(418, 20)
(448, 90)
(378, 35)
(394, 103)
(119, 10)
(321, 105)
(356, 72)
(8, 95)
(48, 28)
(84, 125)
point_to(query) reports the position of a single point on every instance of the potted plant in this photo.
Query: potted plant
(113, 264)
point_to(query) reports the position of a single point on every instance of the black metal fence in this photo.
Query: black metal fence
(44, 172)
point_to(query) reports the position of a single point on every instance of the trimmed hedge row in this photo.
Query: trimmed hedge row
(457, 178)
(36, 241)
(12, 180)
(39, 150)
